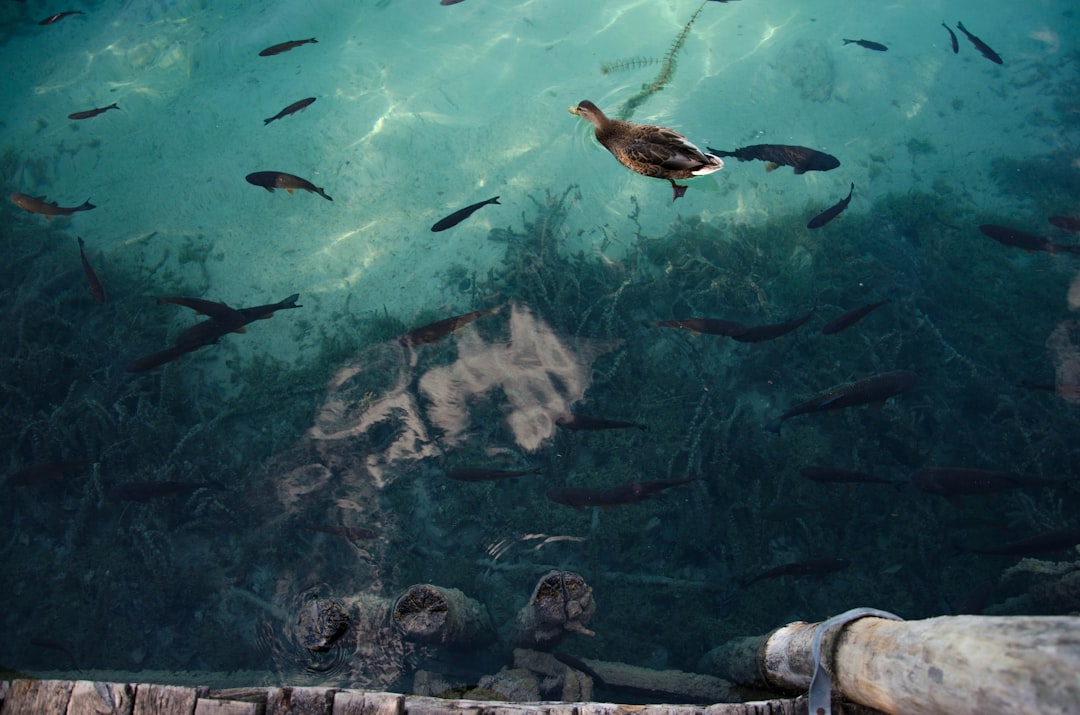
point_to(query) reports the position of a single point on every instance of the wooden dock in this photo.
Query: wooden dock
(85, 697)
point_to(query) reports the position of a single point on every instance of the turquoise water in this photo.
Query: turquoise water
(320, 418)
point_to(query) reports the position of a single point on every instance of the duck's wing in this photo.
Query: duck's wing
(666, 148)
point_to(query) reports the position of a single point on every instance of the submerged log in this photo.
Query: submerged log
(442, 616)
(561, 603)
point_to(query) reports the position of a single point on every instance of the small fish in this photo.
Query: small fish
(96, 288)
(876, 388)
(60, 16)
(285, 47)
(38, 205)
(761, 333)
(800, 158)
(835, 475)
(632, 493)
(450, 2)
(707, 326)
(92, 112)
(832, 212)
(145, 491)
(1026, 241)
(350, 533)
(810, 567)
(952, 36)
(460, 215)
(1068, 223)
(291, 109)
(271, 180)
(584, 422)
(432, 332)
(846, 320)
(868, 44)
(980, 45)
(961, 481)
(472, 474)
(37, 474)
(1040, 544)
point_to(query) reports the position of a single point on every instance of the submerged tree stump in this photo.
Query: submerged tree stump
(561, 603)
(442, 616)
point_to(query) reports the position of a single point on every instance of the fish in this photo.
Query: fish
(220, 312)
(952, 36)
(350, 533)
(38, 205)
(876, 388)
(980, 45)
(707, 326)
(802, 159)
(1042, 543)
(149, 362)
(271, 180)
(472, 474)
(37, 474)
(145, 491)
(460, 215)
(846, 320)
(92, 112)
(450, 2)
(835, 475)
(632, 493)
(832, 212)
(868, 44)
(961, 481)
(53, 644)
(433, 332)
(291, 109)
(810, 567)
(285, 47)
(761, 333)
(60, 16)
(93, 282)
(1068, 223)
(1022, 239)
(584, 422)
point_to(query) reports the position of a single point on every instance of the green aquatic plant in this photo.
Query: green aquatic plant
(630, 63)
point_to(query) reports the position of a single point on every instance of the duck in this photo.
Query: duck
(648, 149)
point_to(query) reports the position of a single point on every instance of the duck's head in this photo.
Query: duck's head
(589, 111)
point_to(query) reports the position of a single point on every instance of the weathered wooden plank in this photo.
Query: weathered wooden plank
(360, 702)
(165, 700)
(213, 706)
(38, 697)
(95, 698)
(300, 701)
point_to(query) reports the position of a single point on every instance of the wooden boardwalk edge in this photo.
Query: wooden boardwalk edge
(84, 697)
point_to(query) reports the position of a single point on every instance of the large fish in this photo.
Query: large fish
(1039, 544)
(1067, 223)
(92, 112)
(980, 45)
(810, 567)
(846, 320)
(461, 214)
(149, 362)
(93, 282)
(868, 44)
(800, 158)
(832, 212)
(291, 109)
(708, 326)
(60, 16)
(761, 333)
(961, 481)
(579, 423)
(580, 497)
(477, 474)
(40, 473)
(285, 47)
(271, 180)
(877, 388)
(145, 491)
(440, 328)
(952, 37)
(1023, 240)
(38, 205)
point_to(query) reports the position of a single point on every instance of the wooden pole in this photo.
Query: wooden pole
(442, 616)
(561, 603)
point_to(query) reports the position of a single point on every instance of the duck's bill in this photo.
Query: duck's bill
(574, 110)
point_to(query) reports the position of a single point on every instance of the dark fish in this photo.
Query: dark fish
(220, 312)
(832, 212)
(877, 388)
(92, 112)
(760, 333)
(60, 16)
(460, 215)
(846, 320)
(145, 491)
(708, 326)
(285, 47)
(1024, 240)
(53, 644)
(471, 474)
(579, 497)
(1040, 544)
(835, 475)
(291, 109)
(1069, 223)
(960, 481)
(149, 362)
(801, 158)
(584, 422)
(868, 44)
(350, 533)
(952, 36)
(450, 2)
(38, 205)
(980, 45)
(811, 567)
(96, 288)
(39, 473)
(271, 180)
(577, 663)
(440, 328)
